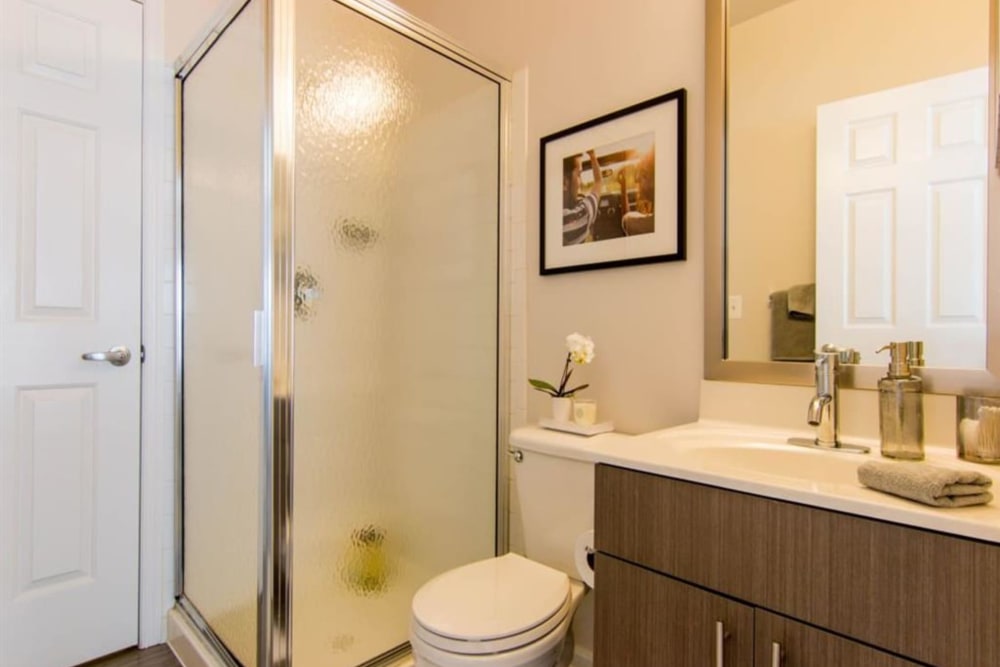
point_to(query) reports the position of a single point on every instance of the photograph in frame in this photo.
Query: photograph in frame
(612, 189)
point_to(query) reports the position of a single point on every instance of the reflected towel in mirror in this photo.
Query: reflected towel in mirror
(802, 302)
(791, 339)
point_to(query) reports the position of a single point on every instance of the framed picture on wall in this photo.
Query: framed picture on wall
(613, 189)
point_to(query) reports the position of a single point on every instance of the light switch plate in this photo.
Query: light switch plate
(735, 306)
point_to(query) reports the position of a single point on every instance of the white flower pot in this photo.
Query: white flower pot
(562, 408)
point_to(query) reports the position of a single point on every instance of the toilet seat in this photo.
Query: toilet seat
(491, 606)
(472, 646)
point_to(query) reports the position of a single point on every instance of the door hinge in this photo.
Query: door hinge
(142, 354)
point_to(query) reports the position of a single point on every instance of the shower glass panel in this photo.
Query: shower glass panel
(223, 135)
(396, 251)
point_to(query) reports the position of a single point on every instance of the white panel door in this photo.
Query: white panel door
(70, 124)
(901, 219)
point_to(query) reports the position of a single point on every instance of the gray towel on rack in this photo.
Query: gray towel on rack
(930, 485)
(802, 302)
(791, 340)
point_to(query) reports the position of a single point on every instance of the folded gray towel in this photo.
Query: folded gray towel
(802, 302)
(930, 485)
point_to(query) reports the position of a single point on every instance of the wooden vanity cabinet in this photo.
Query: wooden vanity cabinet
(779, 641)
(866, 591)
(645, 619)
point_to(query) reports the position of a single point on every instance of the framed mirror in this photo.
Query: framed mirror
(851, 187)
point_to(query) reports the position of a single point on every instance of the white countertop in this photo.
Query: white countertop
(755, 460)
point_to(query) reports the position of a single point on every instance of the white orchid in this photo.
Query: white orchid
(581, 348)
(580, 351)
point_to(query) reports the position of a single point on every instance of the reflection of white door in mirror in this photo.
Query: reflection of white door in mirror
(901, 215)
(767, 70)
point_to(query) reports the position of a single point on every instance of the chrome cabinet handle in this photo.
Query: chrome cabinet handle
(116, 356)
(720, 641)
(775, 654)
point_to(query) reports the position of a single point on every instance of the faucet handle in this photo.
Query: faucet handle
(845, 355)
(850, 356)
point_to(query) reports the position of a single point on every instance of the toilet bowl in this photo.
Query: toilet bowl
(512, 610)
(506, 611)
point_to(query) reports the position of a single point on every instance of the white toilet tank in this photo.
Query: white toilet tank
(552, 497)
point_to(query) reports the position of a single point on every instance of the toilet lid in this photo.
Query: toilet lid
(491, 599)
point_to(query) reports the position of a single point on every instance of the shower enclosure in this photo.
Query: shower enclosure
(340, 327)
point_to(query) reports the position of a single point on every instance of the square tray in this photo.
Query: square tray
(578, 429)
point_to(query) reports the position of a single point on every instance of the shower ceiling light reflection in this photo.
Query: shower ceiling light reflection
(355, 97)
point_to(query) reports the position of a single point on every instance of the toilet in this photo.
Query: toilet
(512, 610)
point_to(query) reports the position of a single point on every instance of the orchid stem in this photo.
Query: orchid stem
(565, 375)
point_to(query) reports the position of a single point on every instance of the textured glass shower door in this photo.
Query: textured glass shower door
(223, 116)
(396, 320)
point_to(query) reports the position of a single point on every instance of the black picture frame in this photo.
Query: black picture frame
(578, 231)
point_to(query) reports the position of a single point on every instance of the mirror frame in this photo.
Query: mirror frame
(717, 367)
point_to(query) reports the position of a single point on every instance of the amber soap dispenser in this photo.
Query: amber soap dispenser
(901, 407)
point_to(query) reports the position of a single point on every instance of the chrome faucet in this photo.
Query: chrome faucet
(824, 408)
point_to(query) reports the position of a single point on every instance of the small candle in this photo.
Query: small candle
(585, 411)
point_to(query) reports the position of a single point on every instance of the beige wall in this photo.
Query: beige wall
(188, 20)
(583, 60)
(785, 63)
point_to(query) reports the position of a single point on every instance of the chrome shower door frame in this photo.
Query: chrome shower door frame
(184, 66)
(274, 603)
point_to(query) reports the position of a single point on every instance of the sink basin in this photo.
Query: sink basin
(794, 464)
(762, 460)
(752, 455)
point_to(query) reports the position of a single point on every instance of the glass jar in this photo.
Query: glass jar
(978, 437)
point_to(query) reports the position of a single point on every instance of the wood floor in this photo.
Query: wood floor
(155, 656)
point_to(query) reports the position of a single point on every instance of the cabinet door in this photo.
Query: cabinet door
(781, 642)
(697, 533)
(644, 619)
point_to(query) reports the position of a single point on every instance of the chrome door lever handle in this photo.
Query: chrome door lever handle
(116, 356)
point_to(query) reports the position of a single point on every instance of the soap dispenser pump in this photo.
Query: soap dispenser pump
(900, 403)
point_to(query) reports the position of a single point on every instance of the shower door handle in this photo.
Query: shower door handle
(116, 356)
